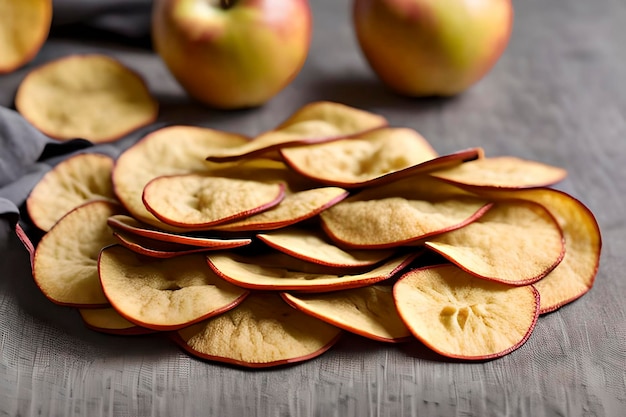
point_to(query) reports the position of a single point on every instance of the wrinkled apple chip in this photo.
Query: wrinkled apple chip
(316, 122)
(400, 213)
(158, 248)
(314, 246)
(24, 27)
(73, 182)
(164, 294)
(201, 201)
(461, 316)
(261, 272)
(178, 150)
(107, 320)
(129, 226)
(575, 274)
(263, 331)
(369, 311)
(65, 265)
(516, 242)
(93, 97)
(502, 172)
(294, 208)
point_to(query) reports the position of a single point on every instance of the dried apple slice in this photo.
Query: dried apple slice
(178, 150)
(316, 122)
(73, 182)
(164, 294)
(461, 316)
(516, 242)
(200, 201)
(107, 320)
(262, 272)
(369, 311)
(400, 213)
(160, 249)
(502, 172)
(314, 246)
(263, 331)
(296, 207)
(65, 100)
(24, 27)
(129, 226)
(65, 266)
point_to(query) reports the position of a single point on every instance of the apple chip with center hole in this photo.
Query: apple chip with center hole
(403, 212)
(65, 265)
(24, 28)
(369, 311)
(164, 294)
(269, 272)
(461, 316)
(516, 242)
(200, 201)
(66, 100)
(316, 122)
(73, 182)
(262, 331)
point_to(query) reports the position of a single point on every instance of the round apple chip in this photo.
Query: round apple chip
(516, 242)
(93, 97)
(403, 212)
(201, 201)
(316, 122)
(65, 265)
(314, 246)
(263, 272)
(173, 150)
(262, 331)
(24, 27)
(107, 320)
(164, 294)
(73, 182)
(461, 316)
(502, 172)
(369, 311)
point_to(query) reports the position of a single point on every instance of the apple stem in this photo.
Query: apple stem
(226, 4)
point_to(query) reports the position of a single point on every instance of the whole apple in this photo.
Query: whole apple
(232, 54)
(432, 47)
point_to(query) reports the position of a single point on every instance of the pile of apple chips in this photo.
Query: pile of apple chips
(261, 252)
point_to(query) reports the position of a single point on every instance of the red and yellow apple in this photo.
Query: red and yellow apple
(232, 53)
(432, 47)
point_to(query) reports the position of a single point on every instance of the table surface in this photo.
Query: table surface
(558, 95)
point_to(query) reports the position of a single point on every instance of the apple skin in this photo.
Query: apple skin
(432, 47)
(232, 54)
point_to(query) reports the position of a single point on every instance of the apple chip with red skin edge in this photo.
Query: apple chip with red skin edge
(196, 201)
(504, 172)
(400, 213)
(575, 275)
(314, 246)
(369, 311)
(73, 182)
(296, 207)
(117, 94)
(65, 265)
(178, 150)
(24, 28)
(161, 249)
(516, 242)
(461, 316)
(313, 123)
(130, 227)
(263, 331)
(263, 272)
(107, 320)
(164, 294)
